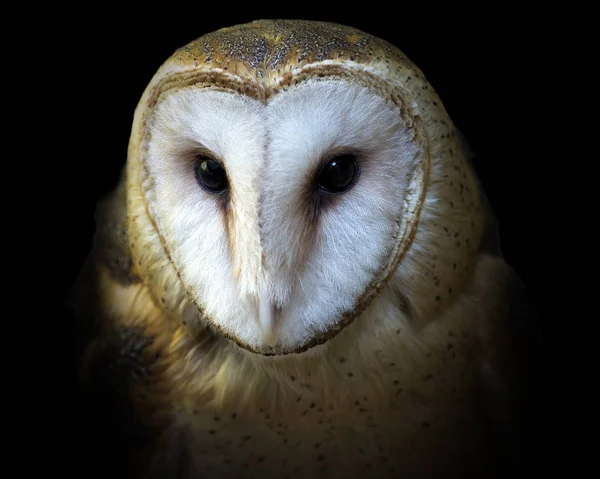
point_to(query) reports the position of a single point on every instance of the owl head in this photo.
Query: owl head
(283, 174)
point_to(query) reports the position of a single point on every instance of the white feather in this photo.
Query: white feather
(270, 151)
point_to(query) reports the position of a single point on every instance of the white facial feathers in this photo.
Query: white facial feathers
(278, 261)
(192, 222)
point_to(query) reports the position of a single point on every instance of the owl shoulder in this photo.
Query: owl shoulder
(510, 351)
(120, 338)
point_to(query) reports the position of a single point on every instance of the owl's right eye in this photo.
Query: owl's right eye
(210, 174)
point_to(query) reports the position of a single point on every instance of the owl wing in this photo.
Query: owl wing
(511, 370)
(511, 350)
(118, 355)
(509, 367)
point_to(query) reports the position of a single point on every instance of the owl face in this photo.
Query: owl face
(277, 174)
(279, 214)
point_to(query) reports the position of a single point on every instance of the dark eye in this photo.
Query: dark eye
(210, 174)
(339, 175)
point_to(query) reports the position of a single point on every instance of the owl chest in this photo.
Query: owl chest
(374, 433)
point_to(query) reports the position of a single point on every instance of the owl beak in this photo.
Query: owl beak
(267, 315)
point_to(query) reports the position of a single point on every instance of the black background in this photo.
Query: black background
(484, 66)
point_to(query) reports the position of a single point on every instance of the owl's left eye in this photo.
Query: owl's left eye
(339, 174)
(210, 174)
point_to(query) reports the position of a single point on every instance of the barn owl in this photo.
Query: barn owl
(294, 276)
